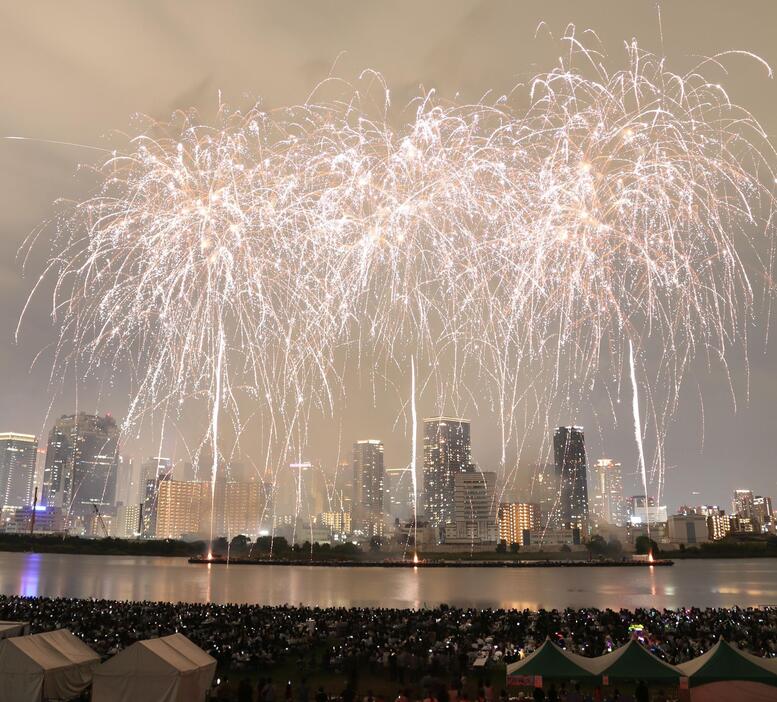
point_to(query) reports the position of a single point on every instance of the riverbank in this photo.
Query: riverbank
(435, 563)
(277, 551)
(56, 543)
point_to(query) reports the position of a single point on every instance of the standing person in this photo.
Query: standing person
(538, 695)
(641, 693)
(288, 695)
(488, 691)
(553, 693)
(575, 695)
(268, 691)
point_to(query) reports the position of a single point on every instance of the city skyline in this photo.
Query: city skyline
(129, 477)
(459, 505)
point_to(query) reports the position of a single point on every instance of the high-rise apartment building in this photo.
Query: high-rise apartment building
(571, 473)
(447, 452)
(474, 508)
(242, 507)
(516, 517)
(718, 525)
(18, 453)
(368, 475)
(182, 508)
(127, 522)
(81, 464)
(607, 503)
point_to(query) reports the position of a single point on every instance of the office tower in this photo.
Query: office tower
(607, 504)
(474, 508)
(571, 472)
(81, 464)
(156, 468)
(18, 453)
(705, 510)
(337, 522)
(447, 452)
(126, 482)
(516, 517)
(687, 530)
(762, 512)
(153, 472)
(398, 493)
(367, 514)
(644, 510)
(41, 520)
(742, 504)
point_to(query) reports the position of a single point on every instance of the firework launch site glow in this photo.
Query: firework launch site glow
(516, 252)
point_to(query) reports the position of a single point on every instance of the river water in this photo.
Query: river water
(701, 583)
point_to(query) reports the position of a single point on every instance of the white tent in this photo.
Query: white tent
(54, 665)
(9, 629)
(168, 669)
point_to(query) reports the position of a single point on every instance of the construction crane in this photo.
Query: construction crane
(100, 517)
(34, 510)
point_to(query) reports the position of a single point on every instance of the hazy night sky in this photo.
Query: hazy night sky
(77, 71)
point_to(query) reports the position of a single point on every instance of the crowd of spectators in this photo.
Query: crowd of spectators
(406, 644)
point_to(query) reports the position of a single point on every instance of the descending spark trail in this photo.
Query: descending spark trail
(638, 430)
(523, 239)
(215, 429)
(414, 451)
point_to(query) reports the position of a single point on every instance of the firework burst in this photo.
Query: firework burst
(531, 244)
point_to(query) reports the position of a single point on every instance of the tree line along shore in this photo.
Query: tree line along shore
(278, 549)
